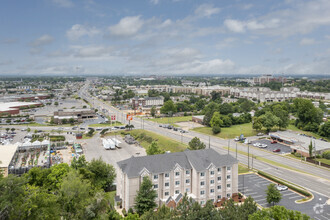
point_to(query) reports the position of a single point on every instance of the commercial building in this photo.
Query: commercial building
(299, 143)
(77, 114)
(13, 108)
(198, 119)
(6, 154)
(267, 79)
(202, 174)
(146, 102)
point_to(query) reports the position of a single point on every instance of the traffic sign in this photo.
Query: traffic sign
(113, 117)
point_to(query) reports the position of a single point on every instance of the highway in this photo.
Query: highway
(310, 177)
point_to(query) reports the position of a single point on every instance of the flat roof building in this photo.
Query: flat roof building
(13, 108)
(6, 154)
(299, 143)
(77, 114)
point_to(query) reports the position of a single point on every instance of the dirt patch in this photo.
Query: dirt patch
(188, 125)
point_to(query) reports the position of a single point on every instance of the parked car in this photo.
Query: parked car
(281, 187)
(175, 129)
(263, 145)
(160, 125)
(277, 150)
(273, 141)
(256, 144)
(260, 134)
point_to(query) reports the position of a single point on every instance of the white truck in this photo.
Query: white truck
(117, 142)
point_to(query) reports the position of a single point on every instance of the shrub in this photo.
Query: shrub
(130, 210)
(124, 212)
(216, 129)
(326, 154)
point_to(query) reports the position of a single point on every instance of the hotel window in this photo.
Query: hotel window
(202, 202)
(177, 191)
(219, 187)
(177, 182)
(202, 174)
(212, 173)
(228, 168)
(228, 177)
(187, 172)
(219, 170)
(219, 196)
(156, 186)
(202, 192)
(219, 178)
(155, 177)
(212, 191)
(187, 181)
(167, 184)
(212, 181)
(167, 193)
(177, 173)
(187, 190)
(202, 183)
(228, 195)
(167, 175)
(228, 185)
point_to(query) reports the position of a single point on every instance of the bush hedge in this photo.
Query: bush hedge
(301, 191)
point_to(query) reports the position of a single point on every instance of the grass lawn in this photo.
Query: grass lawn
(105, 125)
(231, 132)
(294, 128)
(242, 169)
(323, 160)
(145, 138)
(171, 120)
(112, 195)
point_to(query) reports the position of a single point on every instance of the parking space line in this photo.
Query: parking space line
(317, 218)
(259, 200)
(324, 217)
(257, 196)
(297, 196)
(289, 193)
(262, 204)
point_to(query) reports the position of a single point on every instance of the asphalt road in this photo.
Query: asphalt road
(255, 186)
(317, 179)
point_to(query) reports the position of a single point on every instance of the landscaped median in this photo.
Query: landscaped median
(301, 191)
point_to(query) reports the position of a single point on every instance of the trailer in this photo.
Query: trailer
(106, 144)
(117, 142)
(111, 144)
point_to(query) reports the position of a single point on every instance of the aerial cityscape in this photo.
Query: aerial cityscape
(165, 109)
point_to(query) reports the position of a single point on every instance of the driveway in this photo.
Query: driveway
(270, 147)
(255, 186)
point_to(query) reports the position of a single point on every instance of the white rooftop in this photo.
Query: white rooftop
(6, 106)
(6, 154)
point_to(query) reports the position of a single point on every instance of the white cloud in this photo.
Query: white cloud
(77, 31)
(307, 41)
(235, 25)
(155, 2)
(43, 40)
(206, 10)
(91, 51)
(63, 3)
(5, 62)
(127, 26)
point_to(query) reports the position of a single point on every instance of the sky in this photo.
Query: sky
(118, 37)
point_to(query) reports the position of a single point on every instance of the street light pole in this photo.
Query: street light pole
(236, 150)
(249, 156)
(209, 141)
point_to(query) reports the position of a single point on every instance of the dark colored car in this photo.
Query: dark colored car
(277, 150)
(273, 142)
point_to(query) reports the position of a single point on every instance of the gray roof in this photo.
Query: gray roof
(200, 160)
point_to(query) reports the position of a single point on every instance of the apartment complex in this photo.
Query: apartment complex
(267, 79)
(202, 174)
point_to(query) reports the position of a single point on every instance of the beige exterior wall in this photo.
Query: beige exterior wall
(127, 187)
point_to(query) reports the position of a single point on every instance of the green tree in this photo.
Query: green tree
(216, 129)
(309, 117)
(153, 111)
(56, 103)
(282, 114)
(103, 174)
(7, 129)
(74, 196)
(273, 195)
(216, 120)
(71, 120)
(269, 121)
(257, 123)
(277, 213)
(196, 144)
(28, 129)
(226, 108)
(208, 112)
(79, 163)
(64, 121)
(12, 129)
(310, 149)
(56, 175)
(168, 107)
(324, 129)
(154, 149)
(145, 198)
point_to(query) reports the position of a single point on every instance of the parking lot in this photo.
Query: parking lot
(255, 186)
(270, 147)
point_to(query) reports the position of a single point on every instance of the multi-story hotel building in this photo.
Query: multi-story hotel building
(202, 174)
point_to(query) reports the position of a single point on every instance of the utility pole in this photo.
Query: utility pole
(228, 145)
(209, 141)
(236, 150)
(249, 156)
(181, 137)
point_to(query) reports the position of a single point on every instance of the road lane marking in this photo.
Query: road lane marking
(297, 196)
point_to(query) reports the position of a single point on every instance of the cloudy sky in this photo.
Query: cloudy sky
(164, 37)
